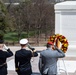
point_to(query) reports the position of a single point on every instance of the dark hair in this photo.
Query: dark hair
(1, 41)
(22, 45)
(1, 38)
(48, 45)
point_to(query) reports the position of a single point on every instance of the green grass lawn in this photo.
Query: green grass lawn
(13, 36)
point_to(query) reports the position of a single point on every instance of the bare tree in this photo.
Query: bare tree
(34, 16)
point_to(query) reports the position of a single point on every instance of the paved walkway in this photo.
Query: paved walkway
(66, 66)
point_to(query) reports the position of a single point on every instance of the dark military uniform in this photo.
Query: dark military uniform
(23, 56)
(3, 56)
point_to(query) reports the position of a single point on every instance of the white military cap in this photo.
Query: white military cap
(23, 41)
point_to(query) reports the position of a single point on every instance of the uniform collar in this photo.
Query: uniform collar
(49, 48)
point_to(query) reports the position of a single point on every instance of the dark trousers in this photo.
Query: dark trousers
(3, 71)
(28, 73)
(47, 74)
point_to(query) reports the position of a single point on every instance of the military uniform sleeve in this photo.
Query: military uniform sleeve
(59, 53)
(34, 54)
(40, 64)
(16, 62)
(9, 53)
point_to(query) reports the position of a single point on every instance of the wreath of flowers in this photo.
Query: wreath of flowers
(61, 39)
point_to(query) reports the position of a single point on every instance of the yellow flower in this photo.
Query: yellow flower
(65, 40)
(65, 45)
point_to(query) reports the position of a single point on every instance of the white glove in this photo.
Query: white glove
(5, 47)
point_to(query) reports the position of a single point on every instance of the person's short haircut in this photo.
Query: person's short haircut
(48, 45)
(22, 45)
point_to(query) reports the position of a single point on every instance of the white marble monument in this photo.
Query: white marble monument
(65, 21)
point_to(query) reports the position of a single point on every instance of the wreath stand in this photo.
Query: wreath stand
(59, 69)
(57, 42)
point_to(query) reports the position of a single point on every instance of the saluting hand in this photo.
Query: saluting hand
(5, 47)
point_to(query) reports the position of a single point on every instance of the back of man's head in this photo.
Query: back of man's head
(49, 44)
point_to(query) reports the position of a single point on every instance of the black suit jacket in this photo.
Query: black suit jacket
(3, 56)
(23, 56)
